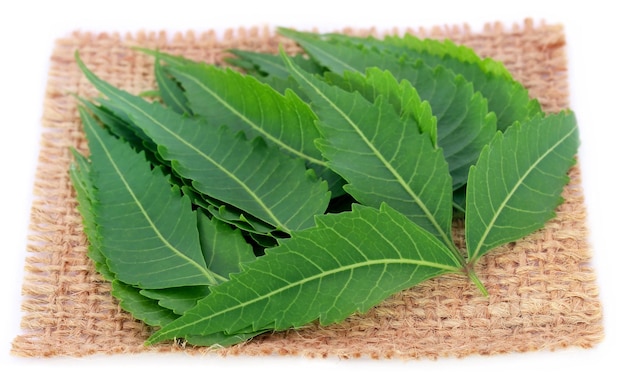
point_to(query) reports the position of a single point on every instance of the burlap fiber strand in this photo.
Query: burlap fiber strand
(543, 292)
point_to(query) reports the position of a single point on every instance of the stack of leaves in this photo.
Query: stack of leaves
(294, 189)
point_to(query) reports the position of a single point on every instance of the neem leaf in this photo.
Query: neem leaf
(383, 157)
(153, 308)
(250, 175)
(141, 307)
(220, 339)
(225, 249)
(347, 263)
(254, 108)
(148, 232)
(517, 183)
(507, 98)
(464, 123)
(80, 175)
(270, 69)
(271, 65)
(170, 91)
(403, 96)
(178, 299)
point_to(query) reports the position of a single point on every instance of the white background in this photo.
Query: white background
(596, 67)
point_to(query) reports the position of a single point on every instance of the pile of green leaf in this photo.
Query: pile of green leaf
(294, 189)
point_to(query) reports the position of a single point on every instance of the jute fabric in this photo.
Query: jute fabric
(542, 289)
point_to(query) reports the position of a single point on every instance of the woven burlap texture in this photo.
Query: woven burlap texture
(542, 289)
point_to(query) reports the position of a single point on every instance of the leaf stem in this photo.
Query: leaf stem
(472, 275)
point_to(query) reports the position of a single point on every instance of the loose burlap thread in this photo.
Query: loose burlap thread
(542, 289)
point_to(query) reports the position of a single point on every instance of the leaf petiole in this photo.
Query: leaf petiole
(472, 276)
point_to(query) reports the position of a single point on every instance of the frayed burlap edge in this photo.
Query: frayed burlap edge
(543, 292)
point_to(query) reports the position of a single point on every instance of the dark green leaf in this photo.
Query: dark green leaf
(225, 249)
(247, 174)
(141, 307)
(148, 232)
(179, 299)
(256, 109)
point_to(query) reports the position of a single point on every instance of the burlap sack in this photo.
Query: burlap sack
(543, 293)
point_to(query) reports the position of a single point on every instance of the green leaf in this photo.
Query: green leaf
(251, 176)
(256, 109)
(118, 124)
(125, 129)
(179, 299)
(143, 308)
(383, 157)
(220, 339)
(403, 97)
(464, 123)
(348, 263)
(80, 175)
(152, 312)
(270, 68)
(170, 91)
(147, 231)
(517, 183)
(507, 98)
(225, 249)
(271, 65)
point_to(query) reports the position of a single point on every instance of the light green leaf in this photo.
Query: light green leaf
(148, 232)
(220, 339)
(251, 176)
(383, 157)
(517, 183)
(348, 263)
